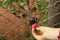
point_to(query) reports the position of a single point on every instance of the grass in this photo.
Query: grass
(42, 7)
(2, 38)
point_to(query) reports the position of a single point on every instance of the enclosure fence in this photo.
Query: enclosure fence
(56, 13)
(10, 24)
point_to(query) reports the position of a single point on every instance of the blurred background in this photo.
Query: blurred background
(14, 17)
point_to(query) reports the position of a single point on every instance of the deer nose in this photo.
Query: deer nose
(33, 20)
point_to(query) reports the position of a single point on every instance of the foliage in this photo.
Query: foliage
(28, 36)
(2, 38)
(22, 2)
(42, 6)
(8, 4)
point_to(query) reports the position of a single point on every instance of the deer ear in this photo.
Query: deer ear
(19, 8)
(28, 2)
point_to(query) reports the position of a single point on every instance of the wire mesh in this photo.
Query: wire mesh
(8, 23)
(55, 14)
(9, 30)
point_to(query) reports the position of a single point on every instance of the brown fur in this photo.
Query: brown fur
(25, 25)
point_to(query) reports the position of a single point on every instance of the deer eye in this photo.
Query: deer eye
(14, 13)
(24, 15)
(33, 9)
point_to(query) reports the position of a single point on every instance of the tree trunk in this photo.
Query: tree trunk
(54, 21)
